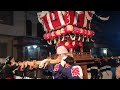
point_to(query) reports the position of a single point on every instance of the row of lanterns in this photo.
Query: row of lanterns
(70, 44)
(69, 29)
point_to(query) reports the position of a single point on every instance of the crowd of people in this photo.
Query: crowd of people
(104, 68)
(63, 67)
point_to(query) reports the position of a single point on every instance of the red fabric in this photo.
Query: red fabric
(61, 43)
(72, 15)
(44, 18)
(81, 18)
(55, 22)
(66, 17)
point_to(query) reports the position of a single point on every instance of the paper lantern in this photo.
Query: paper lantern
(89, 33)
(58, 33)
(69, 28)
(49, 36)
(76, 30)
(85, 33)
(81, 31)
(74, 44)
(92, 33)
(67, 44)
(53, 34)
(45, 36)
(63, 31)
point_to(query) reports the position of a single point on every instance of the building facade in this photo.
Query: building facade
(15, 24)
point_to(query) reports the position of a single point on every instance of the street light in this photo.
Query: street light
(105, 51)
(34, 46)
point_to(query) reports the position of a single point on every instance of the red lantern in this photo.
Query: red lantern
(67, 44)
(89, 32)
(85, 33)
(49, 36)
(80, 44)
(58, 33)
(53, 34)
(69, 28)
(45, 36)
(92, 33)
(74, 44)
(63, 32)
(76, 30)
(81, 31)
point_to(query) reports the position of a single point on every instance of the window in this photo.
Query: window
(6, 17)
(40, 30)
(3, 50)
(28, 28)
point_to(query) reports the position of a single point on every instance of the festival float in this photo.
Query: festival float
(71, 29)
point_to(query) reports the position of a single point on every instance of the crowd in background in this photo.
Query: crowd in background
(61, 68)
(104, 68)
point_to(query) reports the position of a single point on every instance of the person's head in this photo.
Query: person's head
(9, 60)
(69, 60)
(61, 50)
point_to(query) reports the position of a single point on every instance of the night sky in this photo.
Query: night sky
(108, 31)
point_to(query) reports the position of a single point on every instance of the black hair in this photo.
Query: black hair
(69, 60)
(10, 58)
(8, 62)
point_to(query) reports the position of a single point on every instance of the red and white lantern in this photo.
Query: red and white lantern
(69, 28)
(85, 33)
(58, 33)
(45, 36)
(68, 44)
(92, 33)
(80, 44)
(53, 33)
(74, 44)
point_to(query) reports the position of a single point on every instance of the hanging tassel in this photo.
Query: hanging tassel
(102, 18)
(63, 12)
(53, 16)
(79, 38)
(55, 41)
(72, 37)
(49, 42)
(59, 39)
(83, 39)
(87, 40)
(92, 39)
(63, 38)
